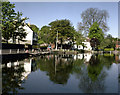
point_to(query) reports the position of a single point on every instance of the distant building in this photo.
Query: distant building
(117, 44)
(87, 45)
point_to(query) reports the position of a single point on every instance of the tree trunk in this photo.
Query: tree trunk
(7, 41)
(13, 39)
(18, 41)
(55, 44)
(61, 43)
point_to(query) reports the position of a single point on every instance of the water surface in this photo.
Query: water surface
(81, 73)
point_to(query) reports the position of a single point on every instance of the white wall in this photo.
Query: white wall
(29, 37)
(87, 44)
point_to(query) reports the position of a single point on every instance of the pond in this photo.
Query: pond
(81, 73)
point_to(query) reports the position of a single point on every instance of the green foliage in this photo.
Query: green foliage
(95, 32)
(56, 69)
(35, 46)
(12, 24)
(44, 35)
(34, 28)
(104, 43)
(94, 68)
(108, 49)
(8, 16)
(18, 29)
(108, 42)
(79, 38)
(64, 28)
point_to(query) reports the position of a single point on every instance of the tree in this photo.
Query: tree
(8, 16)
(105, 42)
(12, 24)
(96, 35)
(112, 41)
(19, 28)
(64, 28)
(79, 38)
(92, 15)
(108, 42)
(44, 35)
(34, 28)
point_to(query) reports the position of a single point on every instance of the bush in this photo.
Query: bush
(109, 49)
(35, 46)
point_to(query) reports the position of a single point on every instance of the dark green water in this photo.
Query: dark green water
(82, 73)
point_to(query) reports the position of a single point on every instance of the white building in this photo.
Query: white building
(30, 39)
(86, 47)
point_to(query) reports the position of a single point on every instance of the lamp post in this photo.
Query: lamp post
(56, 40)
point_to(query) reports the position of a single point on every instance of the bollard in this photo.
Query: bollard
(18, 51)
(10, 51)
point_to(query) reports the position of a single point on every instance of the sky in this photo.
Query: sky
(42, 13)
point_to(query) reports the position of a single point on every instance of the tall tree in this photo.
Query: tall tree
(8, 16)
(19, 31)
(44, 35)
(96, 35)
(64, 28)
(92, 15)
(12, 24)
(79, 38)
(34, 28)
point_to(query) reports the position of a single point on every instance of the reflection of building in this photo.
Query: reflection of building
(27, 68)
(117, 58)
(26, 64)
(86, 56)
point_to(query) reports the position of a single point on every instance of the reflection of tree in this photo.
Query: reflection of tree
(94, 68)
(11, 79)
(89, 86)
(91, 77)
(57, 68)
(107, 60)
(33, 65)
(78, 66)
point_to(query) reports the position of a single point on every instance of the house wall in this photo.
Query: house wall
(87, 44)
(29, 37)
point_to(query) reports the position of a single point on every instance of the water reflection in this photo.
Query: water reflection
(89, 70)
(56, 67)
(13, 74)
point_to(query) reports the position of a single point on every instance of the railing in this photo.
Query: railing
(12, 51)
(17, 51)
